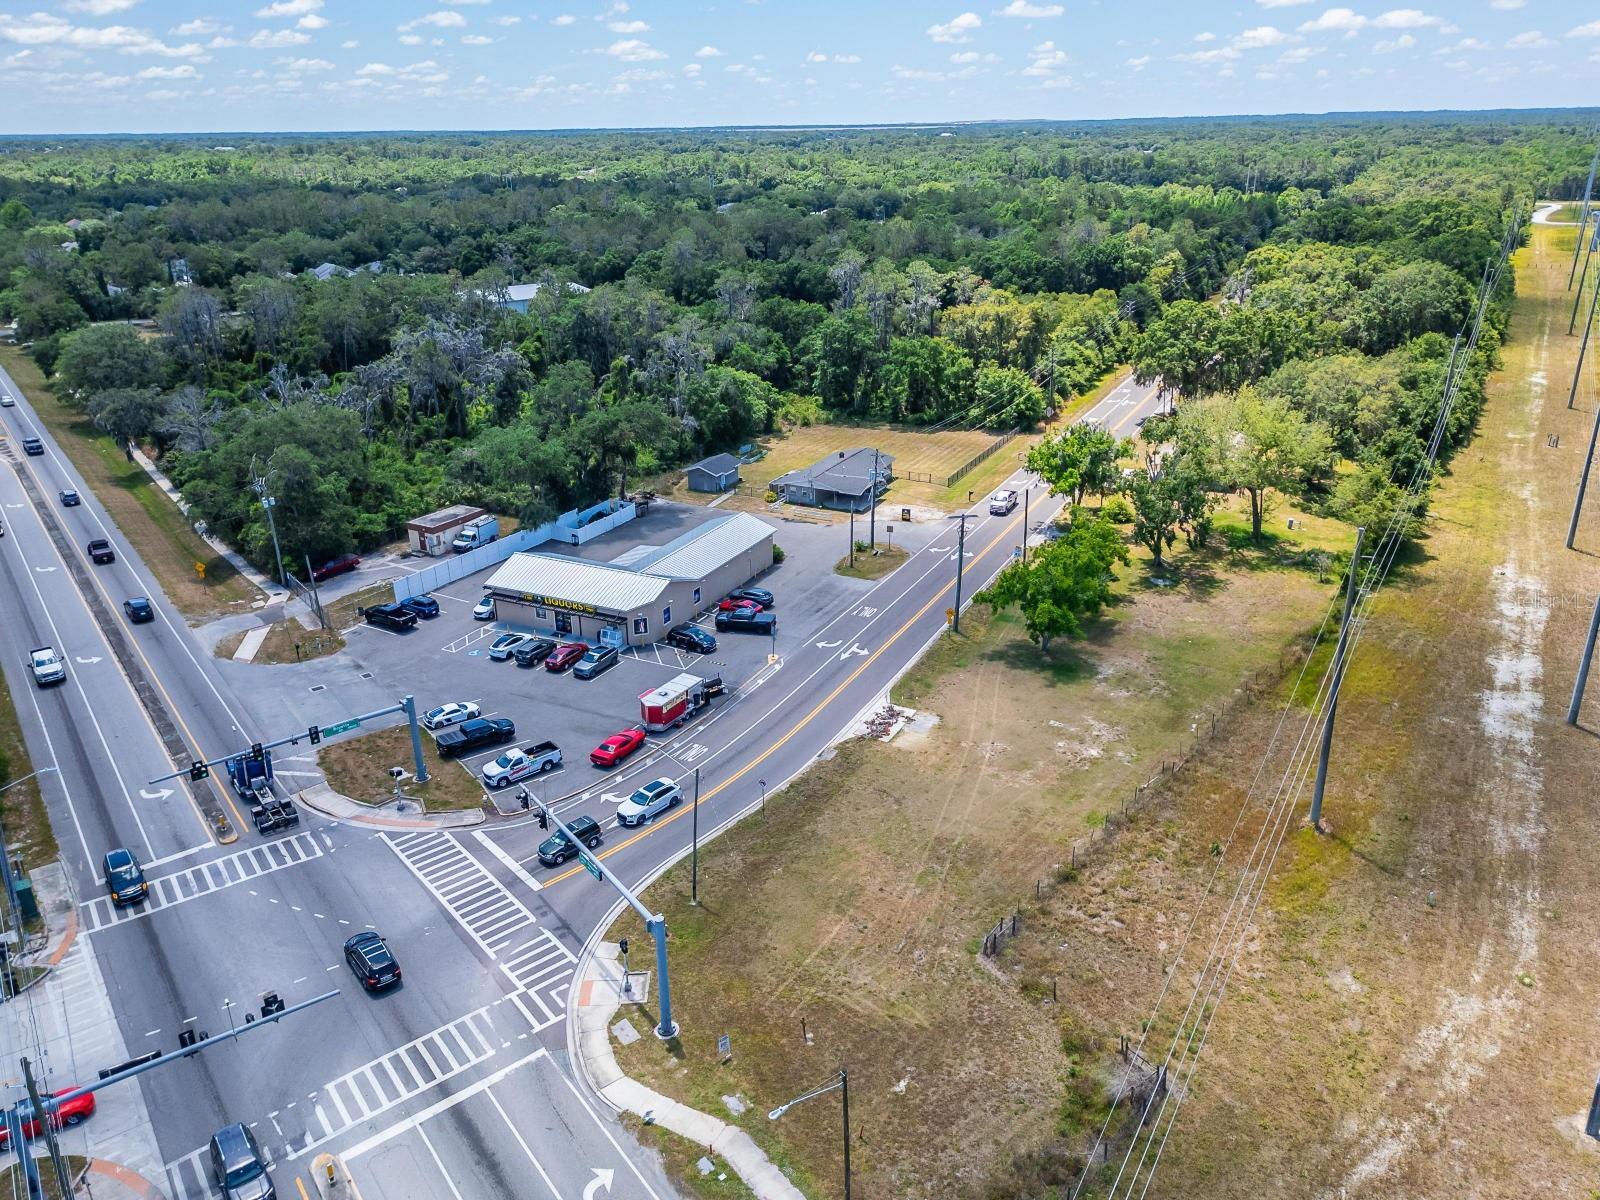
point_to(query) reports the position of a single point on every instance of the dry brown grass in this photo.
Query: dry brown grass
(358, 767)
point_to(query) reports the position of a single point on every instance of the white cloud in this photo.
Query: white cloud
(1465, 44)
(197, 28)
(956, 29)
(99, 8)
(476, 39)
(375, 68)
(269, 39)
(1140, 63)
(411, 39)
(1299, 54)
(47, 29)
(304, 64)
(1404, 42)
(289, 8)
(1507, 5)
(629, 26)
(1335, 20)
(1531, 40)
(847, 59)
(1260, 37)
(311, 21)
(183, 72)
(442, 19)
(708, 52)
(1406, 18)
(506, 20)
(1221, 54)
(1045, 59)
(692, 69)
(1282, 3)
(1205, 37)
(1592, 29)
(563, 19)
(1021, 8)
(633, 50)
(349, 44)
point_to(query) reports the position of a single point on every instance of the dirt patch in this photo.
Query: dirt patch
(856, 901)
(359, 768)
(150, 521)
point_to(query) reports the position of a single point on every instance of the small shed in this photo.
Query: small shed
(432, 534)
(715, 474)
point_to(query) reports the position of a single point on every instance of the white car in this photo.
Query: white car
(7, 402)
(504, 646)
(451, 714)
(1002, 502)
(650, 801)
(484, 609)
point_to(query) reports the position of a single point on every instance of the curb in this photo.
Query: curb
(332, 1178)
(317, 800)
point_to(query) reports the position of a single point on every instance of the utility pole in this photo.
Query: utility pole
(961, 561)
(1583, 346)
(694, 841)
(1583, 479)
(852, 537)
(840, 1083)
(417, 760)
(1583, 666)
(1577, 295)
(48, 1124)
(872, 525)
(316, 594)
(1340, 650)
(1026, 492)
(1588, 193)
(270, 502)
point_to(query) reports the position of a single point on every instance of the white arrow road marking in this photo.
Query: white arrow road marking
(612, 798)
(16, 506)
(940, 549)
(44, 570)
(866, 612)
(855, 648)
(157, 795)
(829, 645)
(602, 1179)
(88, 662)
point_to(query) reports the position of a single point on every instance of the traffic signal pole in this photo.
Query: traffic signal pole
(201, 767)
(654, 922)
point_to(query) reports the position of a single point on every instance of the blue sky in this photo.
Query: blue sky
(175, 65)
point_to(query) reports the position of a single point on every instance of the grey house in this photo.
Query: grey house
(715, 474)
(846, 480)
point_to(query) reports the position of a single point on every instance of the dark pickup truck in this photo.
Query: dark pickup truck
(747, 620)
(390, 616)
(474, 735)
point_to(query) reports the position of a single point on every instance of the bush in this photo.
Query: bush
(772, 496)
(1117, 510)
(777, 553)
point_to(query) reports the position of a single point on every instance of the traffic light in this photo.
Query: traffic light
(623, 946)
(544, 819)
(315, 734)
(271, 1003)
(198, 770)
(257, 754)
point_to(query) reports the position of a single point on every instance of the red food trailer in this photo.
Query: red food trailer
(676, 700)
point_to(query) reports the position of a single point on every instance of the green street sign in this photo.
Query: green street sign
(341, 727)
(589, 864)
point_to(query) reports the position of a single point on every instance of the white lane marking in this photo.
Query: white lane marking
(507, 861)
(450, 1183)
(526, 1149)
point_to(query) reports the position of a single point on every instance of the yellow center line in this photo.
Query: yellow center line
(801, 724)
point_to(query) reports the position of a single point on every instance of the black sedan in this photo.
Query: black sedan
(423, 606)
(138, 609)
(760, 596)
(367, 955)
(692, 638)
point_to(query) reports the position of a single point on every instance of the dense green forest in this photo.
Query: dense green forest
(698, 289)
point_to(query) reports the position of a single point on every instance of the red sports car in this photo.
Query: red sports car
(729, 603)
(616, 747)
(69, 1113)
(565, 655)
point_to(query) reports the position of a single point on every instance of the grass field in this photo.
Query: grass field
(856, 900)
(141, 511)
(359, 768)
(27, 825)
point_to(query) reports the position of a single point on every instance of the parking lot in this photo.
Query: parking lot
(446, 658)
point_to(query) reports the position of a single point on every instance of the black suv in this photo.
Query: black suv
(391, 616)
(32, 445)
(746, 620)
(692, 638)
(238, 1167)
(531, 654)
(368, 956)
(124, 877)
(423, 606)
(138, 609)
(556, 848)
(601, 658)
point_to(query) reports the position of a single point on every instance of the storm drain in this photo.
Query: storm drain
(320, 687)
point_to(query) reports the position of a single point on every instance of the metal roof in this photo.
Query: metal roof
(558, 577)
(701, 551)
(717, 464)
(846, 473)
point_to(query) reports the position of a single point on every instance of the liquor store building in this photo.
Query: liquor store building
(636, 600)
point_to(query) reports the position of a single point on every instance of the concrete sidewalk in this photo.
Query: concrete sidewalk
(591, 1004)
(396, 814)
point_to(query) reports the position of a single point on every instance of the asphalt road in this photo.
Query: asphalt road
(458, 1084)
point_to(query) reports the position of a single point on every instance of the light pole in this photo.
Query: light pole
(841, 1082)
(694, 843)
(270, 502)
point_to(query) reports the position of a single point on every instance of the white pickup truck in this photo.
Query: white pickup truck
(48, 666)
(521, 762)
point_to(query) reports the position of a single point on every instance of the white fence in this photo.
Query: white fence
(574, 528)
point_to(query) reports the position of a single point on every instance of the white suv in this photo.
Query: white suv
(1002, 503)
(651, 800)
